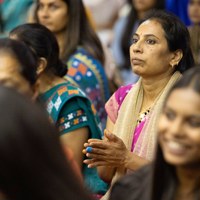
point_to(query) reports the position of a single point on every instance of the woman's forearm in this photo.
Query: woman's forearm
(106, 173)
(131, 162)
(134, 162)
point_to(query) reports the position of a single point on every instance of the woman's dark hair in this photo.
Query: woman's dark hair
(25, 57)
(32, 162)
(177, 36)
(43, 43)
(79, 31)
(166, 186)
(1, 20)
(191, 78)
(126, 38)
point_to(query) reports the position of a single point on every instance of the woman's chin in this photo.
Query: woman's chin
(137, 70)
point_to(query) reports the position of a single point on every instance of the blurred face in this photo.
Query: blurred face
(194, 11)
(53, 14)
(179, 128)
(149, 53)
(10, 74)
(143, 5)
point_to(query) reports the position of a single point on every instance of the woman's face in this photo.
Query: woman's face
(10, 75)
(194, 11)
(143, 5)
(53, 14)
(149, 53)
(179, 128)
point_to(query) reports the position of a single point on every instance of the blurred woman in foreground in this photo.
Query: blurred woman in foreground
(32, 162)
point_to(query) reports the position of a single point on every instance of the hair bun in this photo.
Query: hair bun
(61, 68)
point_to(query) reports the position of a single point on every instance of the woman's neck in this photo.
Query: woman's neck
(197, 25)
(61, 42)
(188, 180)
(48, 80)
(141, 14)
(153, 88)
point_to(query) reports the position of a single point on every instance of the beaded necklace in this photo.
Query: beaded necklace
(143, 115)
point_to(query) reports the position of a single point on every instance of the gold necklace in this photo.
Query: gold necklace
(143, 114)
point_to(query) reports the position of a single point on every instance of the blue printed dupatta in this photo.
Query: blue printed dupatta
(88, 74)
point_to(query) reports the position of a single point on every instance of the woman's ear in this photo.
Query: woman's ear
(176, 57)
(42, 66)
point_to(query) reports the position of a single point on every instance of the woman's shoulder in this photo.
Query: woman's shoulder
(69, 90)
(57, 97)
(121, 23)
(82, 63)
(133, 186)
(81, 54)
(114, 103)
(78, 112)
(121, 93)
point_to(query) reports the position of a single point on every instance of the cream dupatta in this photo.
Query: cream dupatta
(127, 121)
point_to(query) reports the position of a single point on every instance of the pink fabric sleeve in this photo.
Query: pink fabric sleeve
(113, 104)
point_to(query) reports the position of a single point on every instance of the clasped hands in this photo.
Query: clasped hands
(110, 152)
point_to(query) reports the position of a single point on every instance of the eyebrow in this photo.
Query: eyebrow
(167, 108)
(146, 35)
(194, 117)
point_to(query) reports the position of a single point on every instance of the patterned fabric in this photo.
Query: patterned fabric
(72, 119)
(113, 107)
(88, 74)
(69, 108)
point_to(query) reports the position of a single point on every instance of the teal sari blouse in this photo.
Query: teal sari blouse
(70, 109)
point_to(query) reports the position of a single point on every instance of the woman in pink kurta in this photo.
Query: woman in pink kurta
(159, 53)
(113, 106)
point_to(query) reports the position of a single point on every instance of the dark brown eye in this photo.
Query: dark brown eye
(169, 115)
(40, 6)
(54, 7)
(134, 40)
(150, 41)
(194, 123)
